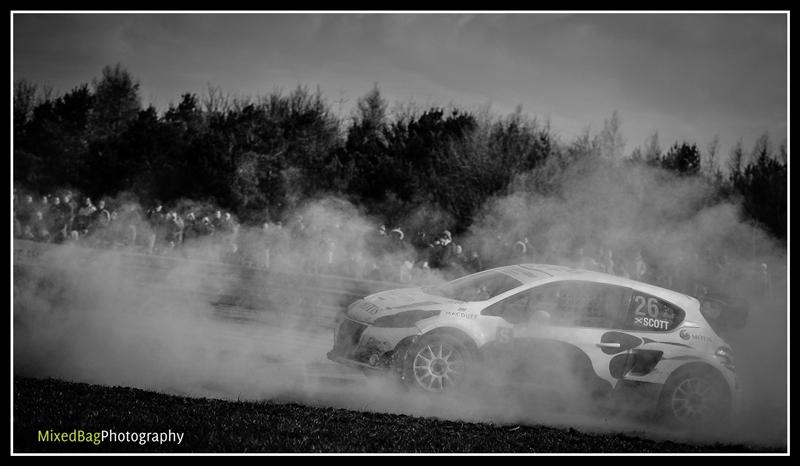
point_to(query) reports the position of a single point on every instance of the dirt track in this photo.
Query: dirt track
(226, 426)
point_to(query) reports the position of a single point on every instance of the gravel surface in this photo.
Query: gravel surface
(212, 425)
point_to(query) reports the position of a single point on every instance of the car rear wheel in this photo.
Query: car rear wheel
(437, 363)
(696, 399)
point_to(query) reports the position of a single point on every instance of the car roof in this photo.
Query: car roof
(522, 273)
(572, 273)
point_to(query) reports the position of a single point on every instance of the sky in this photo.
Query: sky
(690, 77)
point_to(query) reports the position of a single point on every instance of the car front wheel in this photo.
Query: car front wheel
(437, 363)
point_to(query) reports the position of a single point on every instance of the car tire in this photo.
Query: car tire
(695, 398)
(437, 363)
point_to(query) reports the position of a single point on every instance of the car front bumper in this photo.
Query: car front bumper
(362, 345)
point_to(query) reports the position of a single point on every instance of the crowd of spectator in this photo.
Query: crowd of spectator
(60, 218)
(390, 254)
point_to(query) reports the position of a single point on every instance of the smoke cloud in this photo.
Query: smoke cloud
(90, 315)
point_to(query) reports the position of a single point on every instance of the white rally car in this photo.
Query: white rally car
(547, 326)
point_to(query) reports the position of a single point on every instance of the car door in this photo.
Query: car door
(562, 335)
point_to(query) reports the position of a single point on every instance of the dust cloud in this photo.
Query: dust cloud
(89, 315)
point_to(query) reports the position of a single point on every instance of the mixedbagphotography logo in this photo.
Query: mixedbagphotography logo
(79, 436)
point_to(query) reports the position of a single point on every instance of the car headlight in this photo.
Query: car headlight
(343, 311)
(725, 356)
(403, 319)
(354, 304)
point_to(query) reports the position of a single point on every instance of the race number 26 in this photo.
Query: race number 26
(651, 304)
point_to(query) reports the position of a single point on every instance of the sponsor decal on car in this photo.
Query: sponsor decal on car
(702, 338)
(684, 333)
(651, 323)
(460, 314)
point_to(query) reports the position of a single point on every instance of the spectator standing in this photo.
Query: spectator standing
(17, 226)
(639, 266)
(587, 262)
(474, 262)
(190, 227)
(44, 207)
(396, 241)
(765, 279)
(26, 212)
(406, 271)
(229, 233)
(156, 213)
(39, 227)
(329, 252)
(522, 251)
(205, 227)
(84, 216)
(459, 256)
(216, 221)
(157, 220)
(101, 219)
(607, 260)
(27, 232)
(377, 242)
(267, 240)
(68, 209)
(174, 230)
(229, 225)
(115, 232)
(442, 252)
(55, 220)
(131, 219)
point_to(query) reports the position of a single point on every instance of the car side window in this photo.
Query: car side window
(588, 304)
(604, 305)
(545, 301)
(567, 303)
(541, 302)
(646, 312)
(513, 309)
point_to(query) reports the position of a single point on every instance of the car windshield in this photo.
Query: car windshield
(476, 287)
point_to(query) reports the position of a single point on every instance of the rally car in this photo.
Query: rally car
(550, 327)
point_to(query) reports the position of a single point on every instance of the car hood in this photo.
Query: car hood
(392, 302)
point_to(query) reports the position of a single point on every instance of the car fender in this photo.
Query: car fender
(467, 327)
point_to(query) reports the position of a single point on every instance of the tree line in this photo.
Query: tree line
(261, 157)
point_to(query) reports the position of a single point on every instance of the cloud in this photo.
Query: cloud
(697, 73)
